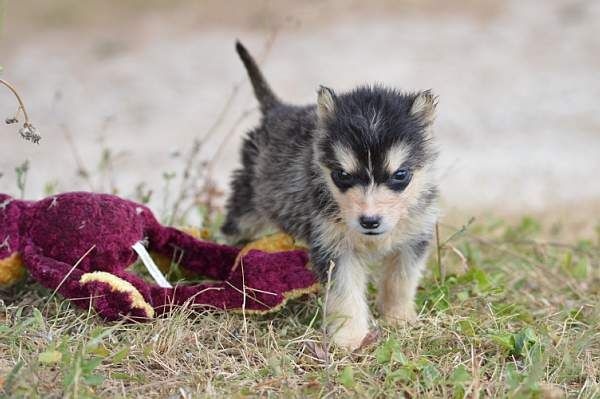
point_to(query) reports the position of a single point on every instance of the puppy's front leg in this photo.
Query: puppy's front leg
(399, 281)
(347, 309)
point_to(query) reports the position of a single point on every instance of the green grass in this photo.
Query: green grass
(501, 315)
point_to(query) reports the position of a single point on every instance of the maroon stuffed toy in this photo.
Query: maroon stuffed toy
(80, 245)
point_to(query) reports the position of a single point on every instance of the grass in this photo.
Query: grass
(501, 315)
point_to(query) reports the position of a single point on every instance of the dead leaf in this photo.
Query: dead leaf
(317, 350)
(371, 338)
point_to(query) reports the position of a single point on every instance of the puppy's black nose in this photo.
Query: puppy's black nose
(369, 222)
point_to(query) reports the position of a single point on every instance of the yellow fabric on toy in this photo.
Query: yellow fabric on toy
(12, 269)
(164, 262)
(272, 243)
(120, 285)
(200, 234)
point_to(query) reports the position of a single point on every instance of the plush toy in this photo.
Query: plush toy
(80, 245)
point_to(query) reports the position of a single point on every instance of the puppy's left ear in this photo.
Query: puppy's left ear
(325, 102)
(424, 106)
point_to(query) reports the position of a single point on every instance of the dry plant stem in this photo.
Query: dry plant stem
(474, 386)
(21, 104)
(457, 231)
(245, 321)
(236, 88)
(244, 301)
(82, 170)
(195, 150)
(463, 259)
(326, 342)
(217, 154)
(245, 295)
(69, 273)
(441, 271)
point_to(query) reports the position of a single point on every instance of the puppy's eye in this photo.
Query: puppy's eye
(400, 179)
(401, 176)
(342, 179)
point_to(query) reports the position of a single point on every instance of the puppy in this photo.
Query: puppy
(353, 177)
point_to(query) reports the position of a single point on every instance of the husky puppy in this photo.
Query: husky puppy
(353, 177)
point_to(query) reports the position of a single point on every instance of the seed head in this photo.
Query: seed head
(30, 133)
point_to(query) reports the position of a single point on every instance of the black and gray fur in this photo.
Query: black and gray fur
(289, 163)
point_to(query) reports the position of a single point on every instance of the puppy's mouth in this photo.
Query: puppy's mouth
(373, 233)
(379, 231)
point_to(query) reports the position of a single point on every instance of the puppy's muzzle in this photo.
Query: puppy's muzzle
(370, 224)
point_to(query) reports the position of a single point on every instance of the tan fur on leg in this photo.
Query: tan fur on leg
(398, 286)
(347, 310)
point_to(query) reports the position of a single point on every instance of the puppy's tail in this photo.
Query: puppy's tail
(262, 91)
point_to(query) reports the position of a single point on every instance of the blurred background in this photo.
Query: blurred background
(147, 98)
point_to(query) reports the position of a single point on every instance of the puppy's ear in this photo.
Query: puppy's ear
(424, 106)
(325, 102)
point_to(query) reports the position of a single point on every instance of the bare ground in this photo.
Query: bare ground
(517, 126)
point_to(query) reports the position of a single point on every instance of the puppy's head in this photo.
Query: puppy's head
(375, 151)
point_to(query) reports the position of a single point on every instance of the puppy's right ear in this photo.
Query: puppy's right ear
(424, 106)
(325, 102)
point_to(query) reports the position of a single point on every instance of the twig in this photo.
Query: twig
(21, 104)
(244, 300)
(69, 273)
(236, 87)
(246, 295)
(81, 168)
(475, 366)
(194, 151)
(439, 253)
(217, 154)
(326, 343)
(22, 171)
(460, 231)
(27, 131)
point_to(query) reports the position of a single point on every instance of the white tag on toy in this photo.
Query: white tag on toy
(150, 265)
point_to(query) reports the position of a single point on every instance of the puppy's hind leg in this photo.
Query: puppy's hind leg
(243, 228)
(242, 222)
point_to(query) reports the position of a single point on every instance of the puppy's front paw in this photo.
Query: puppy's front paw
(350, 337)
(398, 315)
